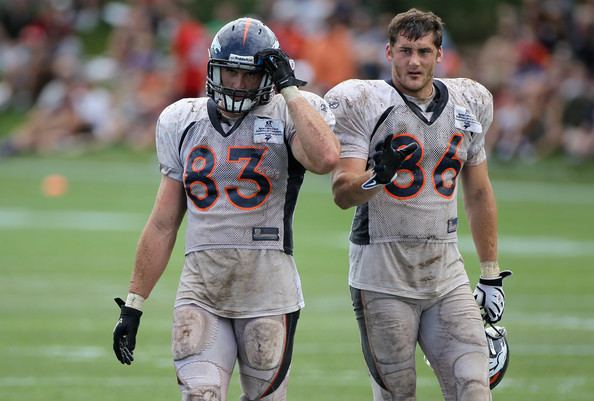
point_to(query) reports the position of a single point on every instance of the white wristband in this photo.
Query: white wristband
(290, 93)
(135, 301)
(490, 269)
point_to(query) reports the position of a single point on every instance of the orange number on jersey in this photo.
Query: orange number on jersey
(200, 166)
(444, 176)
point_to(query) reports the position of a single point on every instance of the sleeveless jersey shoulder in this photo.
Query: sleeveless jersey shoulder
(172, 125)
(321, 106)
(358, 106)
(277, 108)
(473, 102)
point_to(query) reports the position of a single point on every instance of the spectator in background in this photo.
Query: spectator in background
(578, 114)
(25, 65)
(15, 16)
(369, 40)
(190, 48)
(330, 53)
(524, 64)
(71, 111)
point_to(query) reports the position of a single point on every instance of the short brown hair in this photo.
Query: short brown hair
(414, 24)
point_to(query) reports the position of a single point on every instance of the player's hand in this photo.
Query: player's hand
(124, 332)
(490, 297)
(387, 162)
(280, 68)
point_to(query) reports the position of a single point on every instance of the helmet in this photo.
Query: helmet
(498, 354)
(234, 46)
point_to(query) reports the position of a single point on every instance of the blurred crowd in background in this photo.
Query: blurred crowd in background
(538, 63)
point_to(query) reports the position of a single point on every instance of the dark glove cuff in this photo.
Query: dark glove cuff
(130, 312)
(126, 310)
(497, 281)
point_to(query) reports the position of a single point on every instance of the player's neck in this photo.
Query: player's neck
(422, 95)
(230, 117)
(424, 102)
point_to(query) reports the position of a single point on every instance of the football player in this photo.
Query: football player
(405, 143)
(233, 162)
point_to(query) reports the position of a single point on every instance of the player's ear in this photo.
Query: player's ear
(389, 53)
(439, 54)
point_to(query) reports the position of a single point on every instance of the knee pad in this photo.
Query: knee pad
(193, 331)
(264, 342)
(471, 375)
(200, 381)
(265, 353)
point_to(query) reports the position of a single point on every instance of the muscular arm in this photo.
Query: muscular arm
(481, 209)
(158, 237)
(314, 144)
(347, 178)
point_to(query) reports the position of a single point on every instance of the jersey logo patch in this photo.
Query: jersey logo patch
(466, 121)
(265, 234)
(268, 131)
(452, 225)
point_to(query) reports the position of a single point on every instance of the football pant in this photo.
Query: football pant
(449, 330)
(205, 347)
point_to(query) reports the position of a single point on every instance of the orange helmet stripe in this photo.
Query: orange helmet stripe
(246, 29)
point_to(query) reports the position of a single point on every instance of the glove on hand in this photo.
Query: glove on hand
(387, 161)
(278, 65)
(124, 332)
(490, 297)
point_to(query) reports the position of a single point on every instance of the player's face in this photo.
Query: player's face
(236, 78)
(413, 64)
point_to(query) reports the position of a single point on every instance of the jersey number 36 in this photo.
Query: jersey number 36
(443, 177)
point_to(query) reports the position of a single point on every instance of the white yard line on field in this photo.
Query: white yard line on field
(89, 220)
(15, 218)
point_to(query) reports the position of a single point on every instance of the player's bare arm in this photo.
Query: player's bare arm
(481, 209)
(152, 255)
(158, 237)
(314, 144)
(347, 179)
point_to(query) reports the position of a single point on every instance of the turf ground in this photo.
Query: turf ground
(63, 259)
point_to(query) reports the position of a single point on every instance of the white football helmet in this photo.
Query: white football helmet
(498, 353)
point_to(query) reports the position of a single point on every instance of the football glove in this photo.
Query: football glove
(279, 66)
(490, 297)
(124, 332)
(387, 162)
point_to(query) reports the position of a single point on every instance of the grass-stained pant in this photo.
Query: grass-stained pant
(449, 330)
(205, 347)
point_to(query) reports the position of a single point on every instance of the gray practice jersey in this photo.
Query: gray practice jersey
(412, 221)
(241, 182)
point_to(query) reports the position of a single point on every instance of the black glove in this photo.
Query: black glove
(278, 65)
(387, 161)
(124, 333)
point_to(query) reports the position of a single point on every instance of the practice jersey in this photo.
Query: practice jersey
(411, 224)
(421, 202)
(241, 183)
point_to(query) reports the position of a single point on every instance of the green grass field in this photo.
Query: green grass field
(62, 260)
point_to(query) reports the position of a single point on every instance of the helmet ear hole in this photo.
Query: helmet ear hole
(235, 46)
(498, 354)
